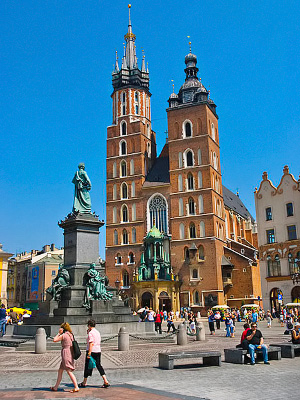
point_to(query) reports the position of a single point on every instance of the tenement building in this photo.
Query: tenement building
(278, 219)
(175, 236)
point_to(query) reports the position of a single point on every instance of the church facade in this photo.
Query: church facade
(173, 238)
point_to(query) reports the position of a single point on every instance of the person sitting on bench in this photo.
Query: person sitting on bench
(296, 333)
(255, 339)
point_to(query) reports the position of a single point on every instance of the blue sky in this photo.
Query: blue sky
(56, 63)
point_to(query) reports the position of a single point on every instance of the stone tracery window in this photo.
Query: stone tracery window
(158, 213)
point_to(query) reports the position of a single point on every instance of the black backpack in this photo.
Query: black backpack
(76, 349)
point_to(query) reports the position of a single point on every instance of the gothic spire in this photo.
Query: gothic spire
(130, 45)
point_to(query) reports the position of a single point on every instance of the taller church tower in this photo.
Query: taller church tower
(131, 150)
(196, 211)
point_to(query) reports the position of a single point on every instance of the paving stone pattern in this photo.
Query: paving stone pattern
(135, 375)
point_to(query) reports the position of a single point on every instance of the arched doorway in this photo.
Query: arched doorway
(295, 294)
(274, 299)
(164, 302)
(147, 300)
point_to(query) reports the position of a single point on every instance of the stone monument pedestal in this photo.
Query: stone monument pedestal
(81, 249)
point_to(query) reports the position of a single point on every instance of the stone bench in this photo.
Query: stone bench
(166, 360)
(237, 356)
(288, 350)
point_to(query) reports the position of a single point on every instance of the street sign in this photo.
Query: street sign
(280, 297)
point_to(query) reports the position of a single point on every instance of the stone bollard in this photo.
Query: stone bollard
(181, 335)
(40, 341)
(198, 315)
(200, 331)
(123, 340)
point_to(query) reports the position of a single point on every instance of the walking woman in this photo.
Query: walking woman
(93, 349)
(67, 364)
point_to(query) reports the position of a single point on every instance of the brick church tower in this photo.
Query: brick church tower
(196, 212)
(131, 150)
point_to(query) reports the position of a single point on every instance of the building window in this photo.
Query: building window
(136, 99)
(213, 132)
(270, 236)
(124, 191)
(195, 274)
(196, 297)
(187, 129)
(202, 229)
(189, 158)
(201, 253)
(294, 263)
(191, 206)
(186, 254)
(190, 182)
(158, 213)
(114, 215)
(123, 103)
(115, 237)
(274, 268)
(123, 148)
(119, 259)
(215, 161)
(192, 230)
(181, 231)
(131, 167)
(126, 279)
(123, 128)
(133, 235)
(53, 273)
(180, 203)
(291, 230)
(180, 183)
(123, 169)
(124, 213)
(125, 236)
(289, 210)
(268, 214)
(131, 258)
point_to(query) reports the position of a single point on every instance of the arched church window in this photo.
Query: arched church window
(124, 213)
(189, 158)
(192, 230)
(119, 259)
(196, 297)
(124, 191)
(123, 103)
(125, 236)
(126, 278)
(190, 182)
(200, 201)
(180, 207)
(123, 169)
(131, 167)
(200, 184)
(131, 258)
(195, 273)
(158, 213)
(180, 160)
(136, 98)
(186, 254)
(187, 129)
(133, 212)
(115, 215)
(191, 206)
(123, 148)
(123, 128)
(213, 132)
(115, 192)
(199, 157)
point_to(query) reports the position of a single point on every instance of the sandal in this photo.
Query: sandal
(81, 385)
(105, 385)
(52, 389)
(74, 390)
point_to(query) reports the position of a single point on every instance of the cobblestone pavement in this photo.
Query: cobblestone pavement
(135, 375)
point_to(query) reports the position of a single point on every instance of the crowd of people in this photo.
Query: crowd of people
(9, 317)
